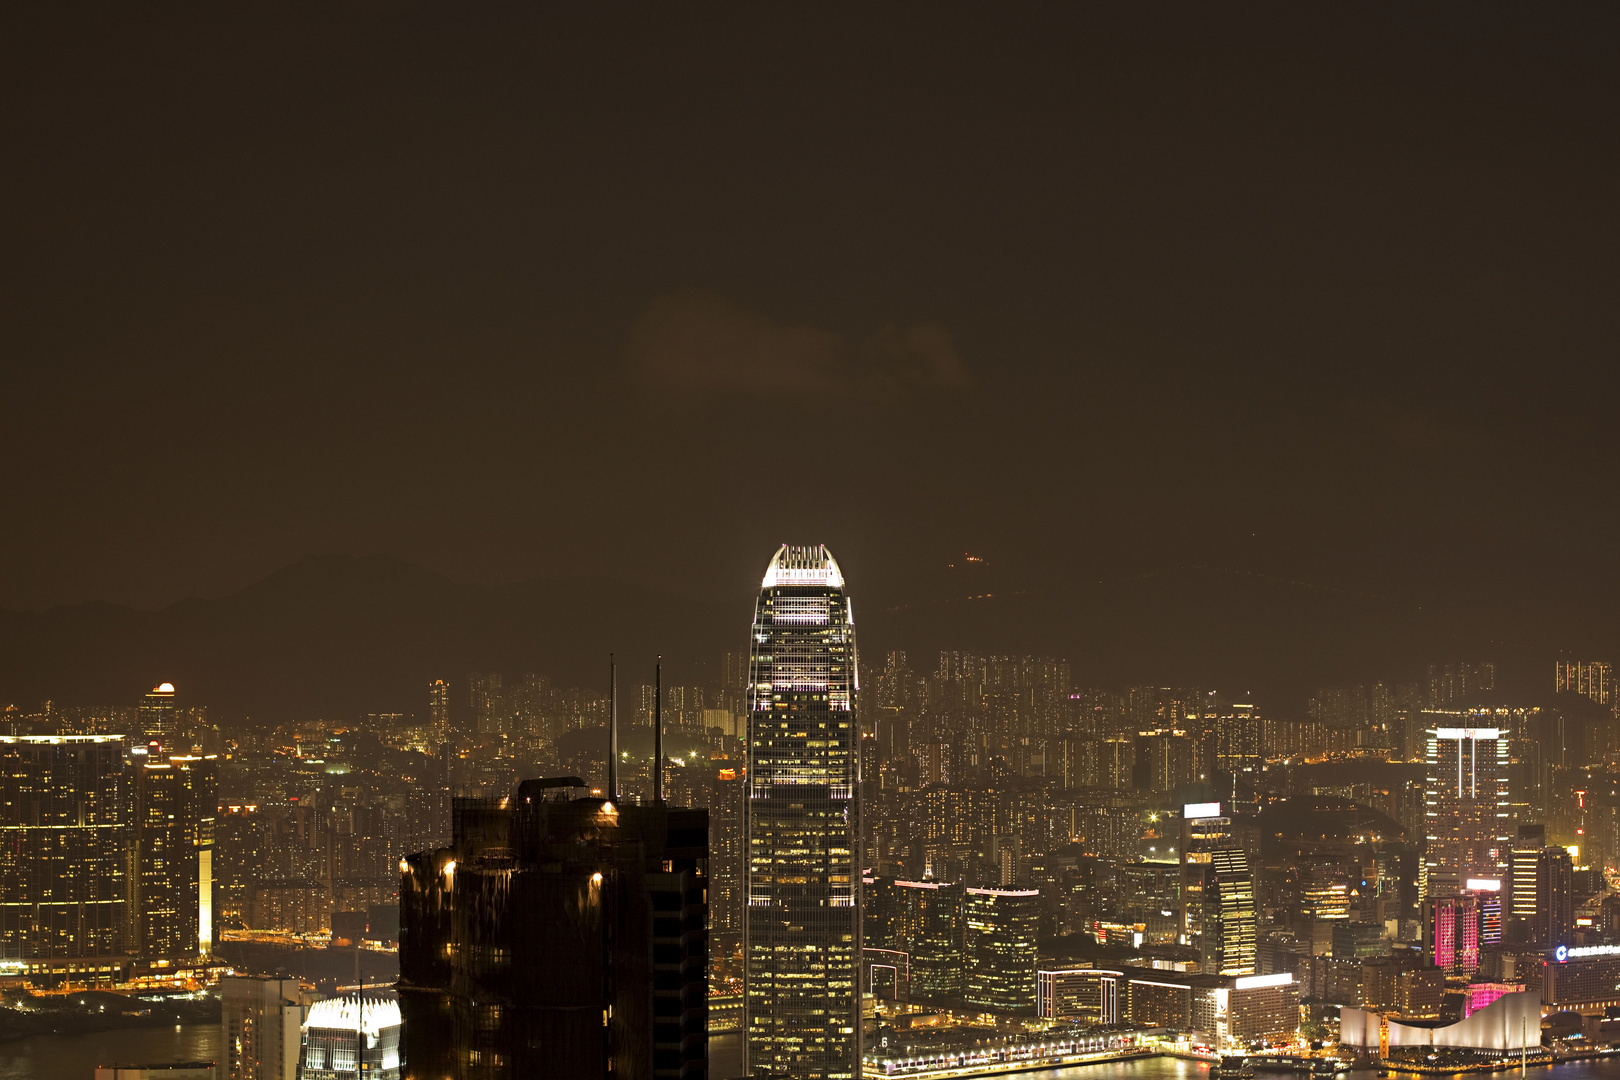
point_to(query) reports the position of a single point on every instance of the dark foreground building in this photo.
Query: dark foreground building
(558, 936)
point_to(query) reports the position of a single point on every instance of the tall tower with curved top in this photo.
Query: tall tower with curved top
(803, 923)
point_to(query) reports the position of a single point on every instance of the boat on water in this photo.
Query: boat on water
(1232, 1067)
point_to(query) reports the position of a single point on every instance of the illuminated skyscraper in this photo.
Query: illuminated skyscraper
(1203, 832)
(1522, 877)
(1230, 930)
(439, 709)
(1451, 933)
(64, 846)
(332, 1039)
(922, 919)
(1487, 893)
(999, 946)
(1217, 891)
(1555, 890)
(175, 806)
(801, 1004)
(726, 829)
(1466, 807)
(158, 716)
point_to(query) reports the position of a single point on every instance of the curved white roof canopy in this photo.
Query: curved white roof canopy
(795, 564)
(340, 1014)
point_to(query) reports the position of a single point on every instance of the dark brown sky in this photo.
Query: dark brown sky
(1325, 293)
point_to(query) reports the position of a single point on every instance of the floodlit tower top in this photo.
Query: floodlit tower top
(803, 565)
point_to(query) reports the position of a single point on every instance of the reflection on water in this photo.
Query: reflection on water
(59, 1057)
(725, 1056)
(725, 1063)
(1166, 1068)
(75, 1057)
(1159, 1068)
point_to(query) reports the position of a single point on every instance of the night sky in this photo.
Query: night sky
(1320, 296)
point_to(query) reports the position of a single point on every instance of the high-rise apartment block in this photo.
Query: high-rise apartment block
(439, 709)
(1235, 730)
(1451, 683)
(1165, 759)
(487, 703)
(560, 935)
(1593, 679)
(261, 1021)
(801, 999)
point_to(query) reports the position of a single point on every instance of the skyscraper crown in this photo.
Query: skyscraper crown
(795, 564)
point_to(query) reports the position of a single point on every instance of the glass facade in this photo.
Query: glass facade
(560, 935)
(1230, 923)
(999, 945)
(922, 919)
(801, 1005)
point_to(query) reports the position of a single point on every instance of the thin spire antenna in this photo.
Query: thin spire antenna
(658, 731)
(613, 730)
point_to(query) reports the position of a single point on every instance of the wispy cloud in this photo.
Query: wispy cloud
(699, 343)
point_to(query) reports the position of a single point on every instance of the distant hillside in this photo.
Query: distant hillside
(339, 635)
(1219, 628)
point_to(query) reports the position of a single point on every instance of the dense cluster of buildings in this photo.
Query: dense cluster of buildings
(976, 851)
(107, 848)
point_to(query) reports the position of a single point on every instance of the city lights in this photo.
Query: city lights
(1214, 407)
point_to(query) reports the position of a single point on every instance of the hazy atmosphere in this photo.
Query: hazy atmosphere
(1284, 334)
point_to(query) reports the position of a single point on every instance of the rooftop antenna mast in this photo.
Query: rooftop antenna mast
(613, 730)
(658, 732)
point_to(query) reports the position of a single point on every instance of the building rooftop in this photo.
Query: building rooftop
(803, 565)
(342, 1014)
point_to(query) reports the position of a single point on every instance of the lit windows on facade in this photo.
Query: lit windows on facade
(999, 947)
(1451, 933)
(802, 924)
(64, 847)
(1466, 806)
